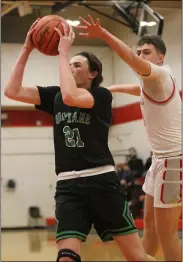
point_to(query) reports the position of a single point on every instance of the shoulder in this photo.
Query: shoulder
(159, 73)
(48, 91)
(101, 92)
(167, 68)
(160, 70)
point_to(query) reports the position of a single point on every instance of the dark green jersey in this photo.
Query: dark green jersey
(80, 134)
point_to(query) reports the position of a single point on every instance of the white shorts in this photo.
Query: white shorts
(163, 181)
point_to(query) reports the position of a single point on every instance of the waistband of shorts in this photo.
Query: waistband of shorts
(166, 156)
(85, 173)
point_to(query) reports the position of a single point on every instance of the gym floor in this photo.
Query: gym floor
(39, 245)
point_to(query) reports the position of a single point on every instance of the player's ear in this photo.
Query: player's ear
(160, 59)
(93, 75)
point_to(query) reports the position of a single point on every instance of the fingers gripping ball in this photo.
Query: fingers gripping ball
(45, 38)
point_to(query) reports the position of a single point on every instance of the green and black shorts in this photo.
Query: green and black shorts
(97, 200)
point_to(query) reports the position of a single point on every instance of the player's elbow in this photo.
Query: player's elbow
(8, 93)
(68, 99)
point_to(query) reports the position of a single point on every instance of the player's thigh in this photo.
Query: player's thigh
(109, 207)
(149, 221)
(166, 221)
(72, 215)
(131, 247)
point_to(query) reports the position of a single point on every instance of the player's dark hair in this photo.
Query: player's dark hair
(94, 65)
(154, 40)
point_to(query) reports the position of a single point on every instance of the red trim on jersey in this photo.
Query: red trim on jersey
(180, 94)
(164, 175)
(166, 163)
(180, 163)
(180, 194)
(161, 195)
(180, 175)
(164, 101)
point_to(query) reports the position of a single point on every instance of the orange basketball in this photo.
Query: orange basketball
(45, 38)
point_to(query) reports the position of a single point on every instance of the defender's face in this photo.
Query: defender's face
(149, 53)
(80, 69)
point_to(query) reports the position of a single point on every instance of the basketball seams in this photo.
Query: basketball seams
(44, 37)
(51, 37)
(42, 28)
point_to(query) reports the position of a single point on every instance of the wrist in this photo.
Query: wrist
(104, 34)
(26, 50)
(63, 53)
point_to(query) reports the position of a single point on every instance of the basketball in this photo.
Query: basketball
(45, 38)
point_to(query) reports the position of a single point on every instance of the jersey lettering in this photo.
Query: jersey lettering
(75, 117)
(72, 137)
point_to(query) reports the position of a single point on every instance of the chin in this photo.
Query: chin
(79, 85)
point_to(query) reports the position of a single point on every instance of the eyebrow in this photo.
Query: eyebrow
(75, 63)
(146, 49)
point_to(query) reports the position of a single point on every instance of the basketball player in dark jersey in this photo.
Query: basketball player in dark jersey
(88, 190)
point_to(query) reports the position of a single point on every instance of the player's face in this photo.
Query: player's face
(80, 70)
(149, 53)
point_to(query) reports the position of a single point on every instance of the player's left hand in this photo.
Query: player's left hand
(92, 29)
(28, 45)
(66, 39)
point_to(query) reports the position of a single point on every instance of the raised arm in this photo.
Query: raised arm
(71, 95)
(14, 89)
(131, 89)
(95, 30)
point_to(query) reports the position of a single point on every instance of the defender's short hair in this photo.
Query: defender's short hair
(154, 40)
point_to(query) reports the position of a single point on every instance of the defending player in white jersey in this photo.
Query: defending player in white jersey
(161, 110)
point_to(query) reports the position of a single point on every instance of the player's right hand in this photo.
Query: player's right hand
(28, 45)
(66, 39)
(91, 29)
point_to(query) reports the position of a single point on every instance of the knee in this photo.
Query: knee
(167, 239)
(68, 255)
(149, 217)
(149, 223)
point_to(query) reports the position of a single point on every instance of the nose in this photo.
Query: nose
(141, 55)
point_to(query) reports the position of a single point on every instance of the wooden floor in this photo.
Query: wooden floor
(39, 245)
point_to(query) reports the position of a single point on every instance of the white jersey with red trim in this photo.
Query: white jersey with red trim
(161, 111)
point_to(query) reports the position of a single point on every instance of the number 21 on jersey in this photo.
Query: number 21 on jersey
(72, 137)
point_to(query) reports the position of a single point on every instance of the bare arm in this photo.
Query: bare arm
(141, 66)
(131, 89)
(71, 95)
(94, 30)
(13, 88)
